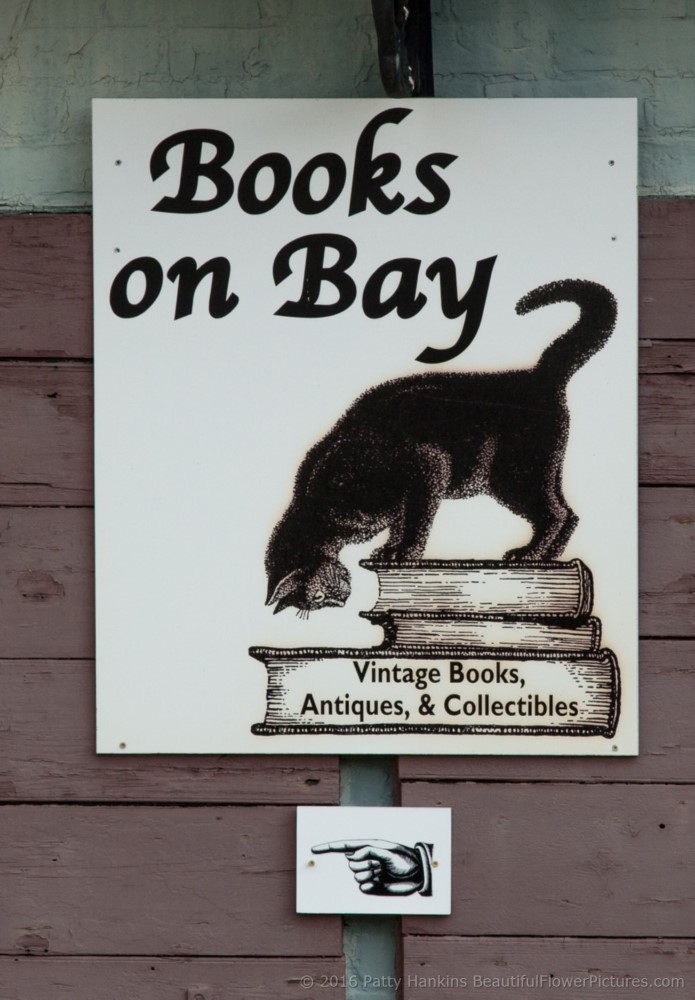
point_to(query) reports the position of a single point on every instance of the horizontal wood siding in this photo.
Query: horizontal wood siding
(47, 747)
(150, 880)
(667, 736)
(666, 357)
(93, 876)
(47, 575)
(48, 459)
(582, 868)
(667, 427)
(493, 968)
(47, 582)
(46, 286)
(170, 978)
(47, 741)
(555, 858)
(666, 269)
(561, 866)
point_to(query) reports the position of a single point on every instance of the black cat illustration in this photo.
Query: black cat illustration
(406, 445)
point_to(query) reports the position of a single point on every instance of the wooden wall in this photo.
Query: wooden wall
(582, 868)
(121, 878)
(168, 878)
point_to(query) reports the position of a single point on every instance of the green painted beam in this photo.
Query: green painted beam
(54, 57)
(370, 943)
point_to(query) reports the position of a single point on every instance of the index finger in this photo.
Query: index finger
(343, 846)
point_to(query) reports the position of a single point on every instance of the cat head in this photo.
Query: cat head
(308, 588)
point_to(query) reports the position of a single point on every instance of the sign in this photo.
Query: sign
(365, 859)
(366, 426)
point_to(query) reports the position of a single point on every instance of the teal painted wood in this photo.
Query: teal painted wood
(370, 944)
(581, 48)
(56, 57)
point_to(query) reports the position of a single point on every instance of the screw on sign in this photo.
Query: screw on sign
(198, 993)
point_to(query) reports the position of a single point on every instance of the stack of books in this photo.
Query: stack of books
(484, 647)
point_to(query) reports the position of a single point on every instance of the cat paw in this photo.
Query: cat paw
(385, 553)
(523, 554)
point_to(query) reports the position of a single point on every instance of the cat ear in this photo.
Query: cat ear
(284, 588)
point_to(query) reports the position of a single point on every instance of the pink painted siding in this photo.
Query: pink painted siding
(584, 867)
(114, 856)
(578, 864)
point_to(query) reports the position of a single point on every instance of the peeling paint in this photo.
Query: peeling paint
(31, 941)
(37, 585)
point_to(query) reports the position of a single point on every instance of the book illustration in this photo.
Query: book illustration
(541, 673)
(429, 628)
(385, 868)
(406, 445)
(537, 672)
(445, 690)
(562, 590)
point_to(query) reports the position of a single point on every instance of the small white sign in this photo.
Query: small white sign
(373, 860)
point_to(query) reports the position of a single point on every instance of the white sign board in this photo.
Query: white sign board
(366, 426)
(373, 860)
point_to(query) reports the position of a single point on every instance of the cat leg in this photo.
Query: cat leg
(426, 483)
(549, 539)
(388, 552)
(564, 518)
(537, 496)
(556, 548)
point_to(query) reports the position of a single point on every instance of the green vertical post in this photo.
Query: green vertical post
(370, 944)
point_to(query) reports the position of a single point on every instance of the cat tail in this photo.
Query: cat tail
(597, 317)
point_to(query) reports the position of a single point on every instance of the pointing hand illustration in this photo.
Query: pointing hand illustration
(384, 868)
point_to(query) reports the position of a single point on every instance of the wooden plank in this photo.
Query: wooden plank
(666, 357)
(611, 860)
(48, 456)
(667, 268)
(667, 736)
(667, 558)
(46, 286)
(47, 582)
(170, 978)
(47, 747)
(46, 283)
(667, 430)
(534, 969)
(47, 575)
(151, 880)
(47, 753)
